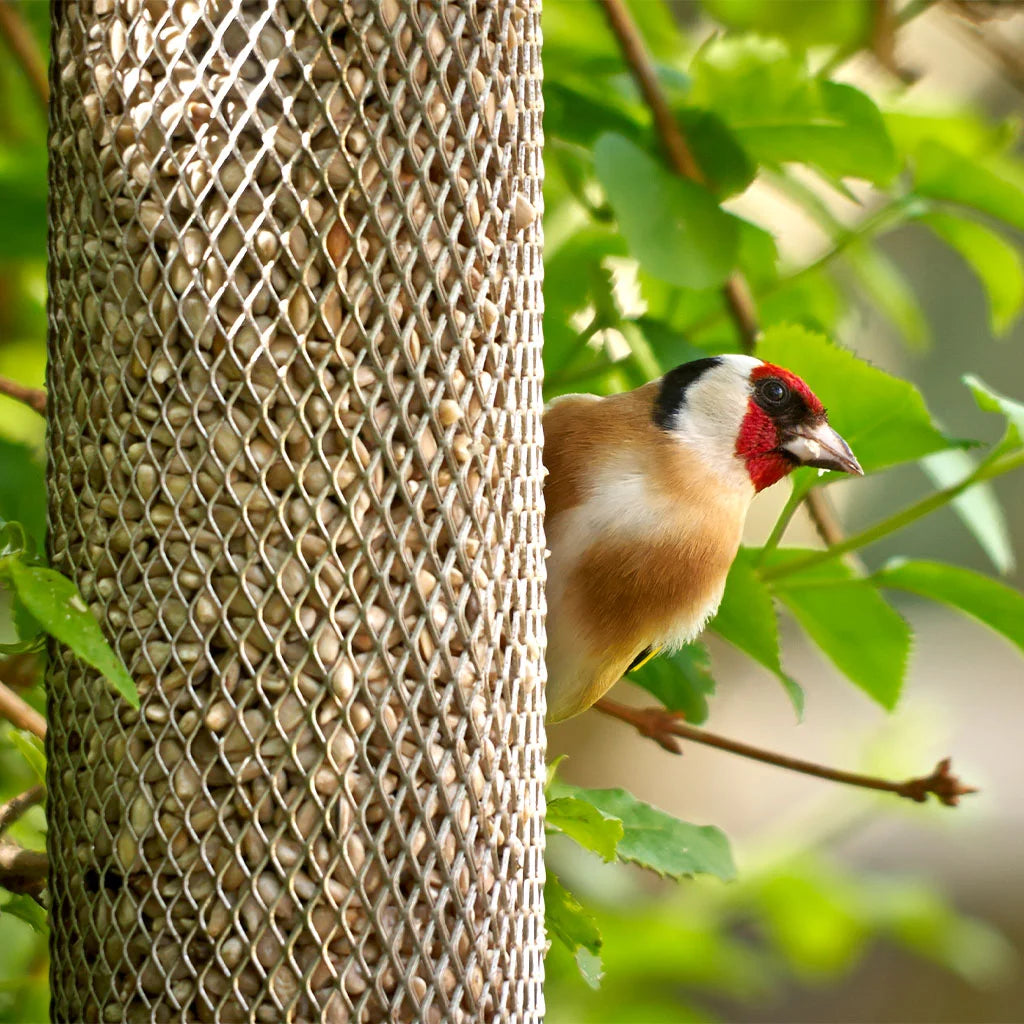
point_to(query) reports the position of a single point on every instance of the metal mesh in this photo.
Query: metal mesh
(295, 469)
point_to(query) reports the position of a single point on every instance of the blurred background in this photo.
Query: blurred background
(849, 907)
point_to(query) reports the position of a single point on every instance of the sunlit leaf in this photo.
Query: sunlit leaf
(658, 841)
(850, 621)
(884, 419)
(673, 226)
(567, 921)
(978, 507)
(942, 173)
(58, 607)
(583, 822)
(780, 113)
(31, 748)
(746, 618)
(996, 262)
(801, 22)
(26, 909)
(995, 604)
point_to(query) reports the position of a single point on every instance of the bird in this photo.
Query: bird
(646, 494)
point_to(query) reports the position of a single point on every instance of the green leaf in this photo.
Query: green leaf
(995, 604)
(884, 419)
(801, 22)
(567, 921)
(990, 400)
(23, 200)
(12, 540)
(994, 260)
(860, 633)
(31, 748)
(58, 607)
(780, 113)
(889, 292)
(746, 618)
(722, 160)
(583, 822)
(942, 173)
(682, 681)
(658, 841)
(978, 507)
(22, 489)
(674, 227)
(26, 909)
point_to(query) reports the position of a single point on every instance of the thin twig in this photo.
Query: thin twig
(736, 291)
(23, 46)
(34, 398)
(21, 714)
(11, 811)
(666, 728)
(22, 871)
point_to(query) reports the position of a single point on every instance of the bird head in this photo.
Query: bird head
(740, 412)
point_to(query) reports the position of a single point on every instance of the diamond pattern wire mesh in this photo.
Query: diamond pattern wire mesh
(295, 469)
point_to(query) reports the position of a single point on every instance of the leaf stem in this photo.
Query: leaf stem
(918, 510)
(666, 727)
(781, 524)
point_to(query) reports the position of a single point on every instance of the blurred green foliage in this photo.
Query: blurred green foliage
(635, 260)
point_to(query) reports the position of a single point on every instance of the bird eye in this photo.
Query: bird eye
(774, 391)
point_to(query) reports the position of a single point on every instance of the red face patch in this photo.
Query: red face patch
(758, 443)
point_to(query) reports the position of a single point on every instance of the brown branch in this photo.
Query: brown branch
(736, 291)
(21, 714)
(666, 728)
(22, 871)
(11, 811)
(1007, 55)
(23, 46)
(819, 508)
(884, 25)
(34, 398)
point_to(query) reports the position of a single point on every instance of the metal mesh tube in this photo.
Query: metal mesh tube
(295, 469)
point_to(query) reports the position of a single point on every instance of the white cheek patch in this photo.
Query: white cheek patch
(712, 414)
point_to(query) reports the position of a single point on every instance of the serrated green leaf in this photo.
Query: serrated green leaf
(567, 921)
(583, 822)
(682, 681)
(884, 419)
(656, 840)
(850, 621)
(26, 909)
(674, 227)
(942, 173)
(889, 292)
(995, 261)
(31, 748)
(978, 507)
(995, 604)
(746, 618)
(58, 607)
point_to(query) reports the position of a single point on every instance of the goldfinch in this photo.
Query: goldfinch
(646, 496)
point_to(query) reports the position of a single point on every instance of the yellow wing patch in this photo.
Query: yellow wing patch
(643, 657)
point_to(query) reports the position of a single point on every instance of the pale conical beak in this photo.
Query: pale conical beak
(819, 445)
